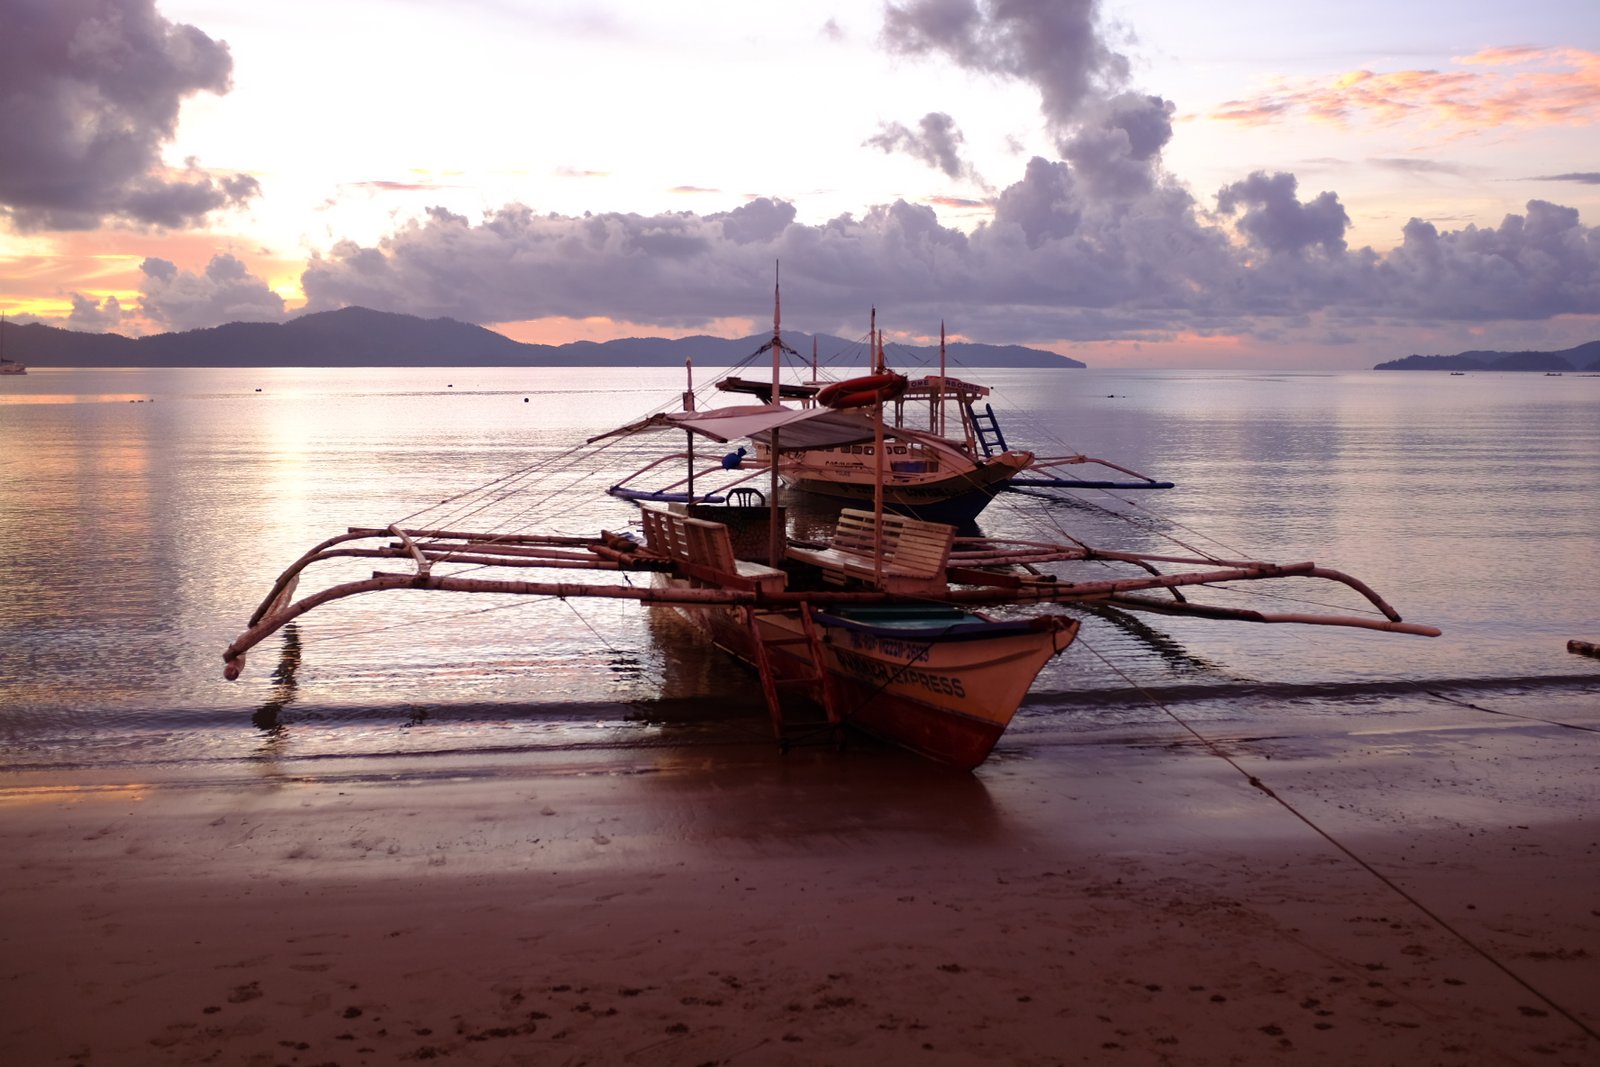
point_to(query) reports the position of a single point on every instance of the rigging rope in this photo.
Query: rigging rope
(1433, 916)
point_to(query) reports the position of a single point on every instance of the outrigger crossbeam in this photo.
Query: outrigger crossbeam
(980, 572)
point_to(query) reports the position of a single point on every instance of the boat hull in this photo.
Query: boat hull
(946, 689)
(956, 498)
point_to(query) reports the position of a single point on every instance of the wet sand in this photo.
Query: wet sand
(1084, 898)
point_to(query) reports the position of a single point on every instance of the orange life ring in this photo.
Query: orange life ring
(863, 392)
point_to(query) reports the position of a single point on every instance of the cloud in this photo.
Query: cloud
(936, 142)
(1050, 263)
(382, 185)
(174, 299)
(1116, 151)
(1273, 219)
(1420, 166)
(1098, 244)
(91, 91)
(1057, 261)
(1495, 87)
(91, 316)
(1582, 177)
(1055, 45)
(1531, 266)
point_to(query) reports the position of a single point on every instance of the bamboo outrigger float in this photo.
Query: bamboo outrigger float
(878, 628)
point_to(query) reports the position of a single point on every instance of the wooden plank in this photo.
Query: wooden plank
(704, 550)
(911, 548)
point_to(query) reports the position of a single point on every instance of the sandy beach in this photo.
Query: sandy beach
(1088, 898)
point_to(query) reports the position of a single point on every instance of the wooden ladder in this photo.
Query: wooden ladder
(813, 682)
(986, 428)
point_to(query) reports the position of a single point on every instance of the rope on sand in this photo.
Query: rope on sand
(1440, 921)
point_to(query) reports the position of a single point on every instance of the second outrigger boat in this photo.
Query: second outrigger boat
(879, 627)
(946, 459)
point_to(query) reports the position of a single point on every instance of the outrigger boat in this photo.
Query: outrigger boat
(878, 627)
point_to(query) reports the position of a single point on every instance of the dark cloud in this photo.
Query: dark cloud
(91, 316)
(1587, 177)
(936, 142)
(1060, 259)
(1050, 264)
(1273, 219)
(90, 91)
(1044, 205)
(518, 264)
(174, 299)
(1055, 45)
(760, 220)
(1116, 151)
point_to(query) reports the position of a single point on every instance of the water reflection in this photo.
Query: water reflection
(268, 718)
(140, 537)
(1177, 656)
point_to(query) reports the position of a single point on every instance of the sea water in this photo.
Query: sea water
(145, 513)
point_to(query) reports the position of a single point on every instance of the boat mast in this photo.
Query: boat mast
(939, 400)
(775, 530)
(777, 341)
(877, 456)
(688, 405)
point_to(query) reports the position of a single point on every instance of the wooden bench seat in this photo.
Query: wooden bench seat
(703, 550)
(915, 553)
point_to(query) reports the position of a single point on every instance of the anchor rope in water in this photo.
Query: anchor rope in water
(1438, 920)
(1508, 714)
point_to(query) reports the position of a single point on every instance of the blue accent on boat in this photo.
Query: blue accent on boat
(930, 622)
(623, 493)
(1082, 483)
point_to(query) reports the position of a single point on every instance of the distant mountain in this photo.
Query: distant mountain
(1583, 357)
(359, 337)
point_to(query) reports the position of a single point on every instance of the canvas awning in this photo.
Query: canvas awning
(798, 429)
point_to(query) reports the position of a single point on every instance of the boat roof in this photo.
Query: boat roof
(786, 390)
(933, 385)
(797, 429)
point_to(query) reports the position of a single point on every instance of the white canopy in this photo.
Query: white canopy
(798, 429)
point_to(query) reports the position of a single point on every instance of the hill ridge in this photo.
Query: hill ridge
(361, 337)
(1584, 357)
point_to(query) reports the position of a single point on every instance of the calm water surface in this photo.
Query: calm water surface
(143, 514)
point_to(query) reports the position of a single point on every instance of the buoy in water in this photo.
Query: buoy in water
(1584, 648)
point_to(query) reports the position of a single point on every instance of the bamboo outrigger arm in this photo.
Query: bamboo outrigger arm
(496, 545)
(1047, 463)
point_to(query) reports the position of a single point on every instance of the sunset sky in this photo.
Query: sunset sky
(1138, 183)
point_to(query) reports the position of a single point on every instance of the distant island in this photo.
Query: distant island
(360, 337)
(1585, 357)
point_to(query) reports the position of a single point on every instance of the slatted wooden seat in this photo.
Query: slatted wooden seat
(702, 549)
(915, 553)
